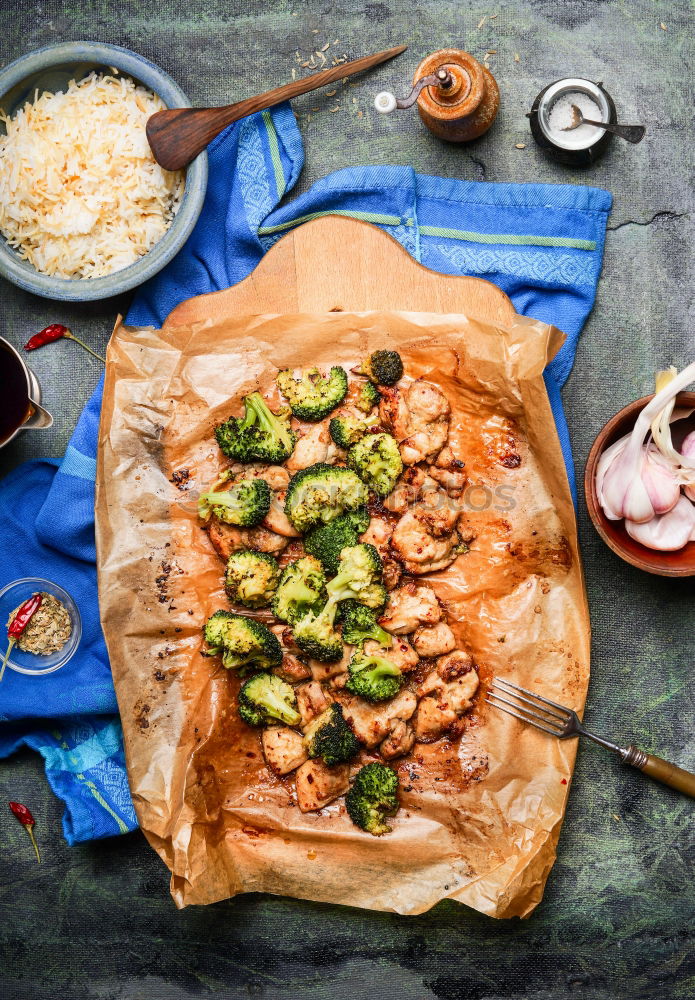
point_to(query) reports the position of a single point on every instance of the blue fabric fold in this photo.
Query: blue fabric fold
(542, 244)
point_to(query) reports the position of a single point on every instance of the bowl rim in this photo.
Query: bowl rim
(647, 562)
(23, 274)
(70, 603)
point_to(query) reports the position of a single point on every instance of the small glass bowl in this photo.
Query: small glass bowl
(36, 664)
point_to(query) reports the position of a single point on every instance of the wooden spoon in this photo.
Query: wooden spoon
(176, 137)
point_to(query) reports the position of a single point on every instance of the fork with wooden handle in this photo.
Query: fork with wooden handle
(177, 136)
(556, 720)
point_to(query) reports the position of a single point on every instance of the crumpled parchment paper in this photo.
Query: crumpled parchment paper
(480, 819)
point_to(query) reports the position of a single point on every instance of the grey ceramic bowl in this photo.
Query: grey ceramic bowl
(51, 68)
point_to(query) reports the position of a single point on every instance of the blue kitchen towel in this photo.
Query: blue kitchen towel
(542, 244)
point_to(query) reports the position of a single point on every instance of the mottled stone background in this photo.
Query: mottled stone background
(617, 918)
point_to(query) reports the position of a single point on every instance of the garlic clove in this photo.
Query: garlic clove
(660, 481)
(688, 446)
(606, 460)
(688, 450)
(668, 532)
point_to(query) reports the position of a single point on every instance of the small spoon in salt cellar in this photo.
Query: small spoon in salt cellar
(632, 133)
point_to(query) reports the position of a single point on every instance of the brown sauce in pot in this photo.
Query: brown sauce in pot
(15, 405)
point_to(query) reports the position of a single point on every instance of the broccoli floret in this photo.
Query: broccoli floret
(375, 596)
(321, 493)
(382, 367)
(377, 461)
(359, 568)
(358, 572)
(244, 504)
(330, 737)
(347, 430)
(264, 697)
(327, 541)
(251, 578)
(302, 588)
(260, 435)
(244, 643)
(373, 678)
(359, 624)
(316, 635)
(373, 797)
(214, 632)
(313, 396)
(367, 398)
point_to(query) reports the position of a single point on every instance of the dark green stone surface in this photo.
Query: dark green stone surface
(617, 917)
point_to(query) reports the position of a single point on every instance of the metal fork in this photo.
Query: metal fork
(556, 720)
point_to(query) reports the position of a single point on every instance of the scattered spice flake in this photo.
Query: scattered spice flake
(520, 145)
(181, 476)
(564, 781)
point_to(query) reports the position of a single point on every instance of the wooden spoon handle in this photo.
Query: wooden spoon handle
(176, 137)
(662, 770)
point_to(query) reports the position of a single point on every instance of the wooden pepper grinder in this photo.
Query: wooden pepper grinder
(457, 97)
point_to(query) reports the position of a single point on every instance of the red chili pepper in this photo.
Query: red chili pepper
(28, 822)
(25, 612)
(55, 332)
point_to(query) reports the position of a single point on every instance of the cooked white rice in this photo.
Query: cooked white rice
(81, 195)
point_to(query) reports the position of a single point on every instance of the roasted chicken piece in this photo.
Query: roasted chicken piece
(314, 445)
(277, 520)
(311, 701)
(292, 669)
(446, 693)
(433, 640)
(293, 551)
(426, 540)
(283, 749)
(399, 652)
(379, 534)
(286, 639)
(418, 418)
(276, 476)
(227, 538)
(410, 605)
(409, 489)
(448, 472)
(372, 723)
(326, 671)
(432, 719)
(318, 784)
(399, 741)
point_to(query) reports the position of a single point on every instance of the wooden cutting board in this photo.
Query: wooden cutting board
(337, 264)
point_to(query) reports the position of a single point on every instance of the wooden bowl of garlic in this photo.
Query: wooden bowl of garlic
(637, 479)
